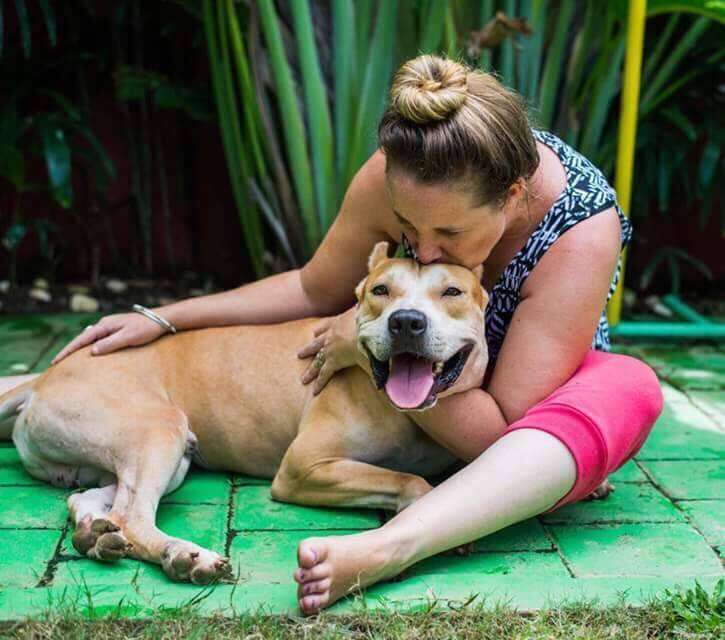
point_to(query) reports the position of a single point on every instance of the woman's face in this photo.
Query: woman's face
(442, 223)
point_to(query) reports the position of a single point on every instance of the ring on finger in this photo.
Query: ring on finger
(320, 358)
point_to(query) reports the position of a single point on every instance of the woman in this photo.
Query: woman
(461, 174)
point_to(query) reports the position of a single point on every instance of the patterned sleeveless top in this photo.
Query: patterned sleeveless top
(587, 193)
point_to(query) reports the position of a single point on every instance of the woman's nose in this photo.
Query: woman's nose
(428, 251)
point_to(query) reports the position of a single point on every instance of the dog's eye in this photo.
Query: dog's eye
(452, 291)
(380, 290)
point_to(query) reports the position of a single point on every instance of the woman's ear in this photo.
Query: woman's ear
(379, 253)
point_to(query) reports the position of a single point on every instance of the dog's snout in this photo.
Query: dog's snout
(407, 323)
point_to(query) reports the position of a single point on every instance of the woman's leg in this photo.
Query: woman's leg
(561, 450)
(517, 477)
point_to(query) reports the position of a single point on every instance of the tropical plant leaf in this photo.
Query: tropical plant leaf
(12, 165)
(714, 9)
(50, 23)
(318, 114)
(57, 160)
(294, 130)
(24, 24)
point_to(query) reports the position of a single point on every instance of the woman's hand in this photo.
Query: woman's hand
(112, 333)
(333, 348)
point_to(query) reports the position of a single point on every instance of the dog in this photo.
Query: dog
(129, 424)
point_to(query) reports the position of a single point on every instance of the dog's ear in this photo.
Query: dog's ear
(478, 272)
(379, 253)
(359, 290)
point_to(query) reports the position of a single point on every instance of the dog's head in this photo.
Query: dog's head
(422, 328)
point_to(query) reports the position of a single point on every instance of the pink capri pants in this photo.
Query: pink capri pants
(603, 414)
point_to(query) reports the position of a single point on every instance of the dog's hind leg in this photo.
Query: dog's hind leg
(156, 469)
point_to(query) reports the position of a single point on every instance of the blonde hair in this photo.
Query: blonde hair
(448, 122)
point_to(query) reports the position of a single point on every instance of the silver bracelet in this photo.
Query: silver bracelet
(155, 317)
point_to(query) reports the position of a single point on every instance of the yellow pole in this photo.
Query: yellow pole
(628, 129)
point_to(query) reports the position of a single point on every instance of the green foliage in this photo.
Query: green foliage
(698, 611)
(568, 69)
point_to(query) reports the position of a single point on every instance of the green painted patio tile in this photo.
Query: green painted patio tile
(25, 555)
(12, 470)
(712, 403)
(639, 550)
(528, 535)
(695, 367)
(254, 509)
(239, 479)
(683, 432)
(629, 502)
(24, 339)
(628, 472)
(79, 571)
(39, 506)
(203, 524)
(202, 486)
(709, 517)
(269, 557)
(693, 479)
(420, 594)
(480, 567)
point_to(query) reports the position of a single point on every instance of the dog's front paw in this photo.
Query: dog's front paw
(184, 561)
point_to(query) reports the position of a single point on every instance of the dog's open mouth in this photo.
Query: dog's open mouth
(413, 382)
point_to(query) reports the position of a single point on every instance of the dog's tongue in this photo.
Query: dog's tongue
(410, 381)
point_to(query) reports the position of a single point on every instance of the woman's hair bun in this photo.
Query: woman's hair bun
(428, 89)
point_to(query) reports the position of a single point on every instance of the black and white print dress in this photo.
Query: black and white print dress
(587, 193)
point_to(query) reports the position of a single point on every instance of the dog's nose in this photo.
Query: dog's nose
(407, 323)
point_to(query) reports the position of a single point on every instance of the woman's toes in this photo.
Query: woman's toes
(311, 552)
(312, 604)
(317, 586)
(318, 572)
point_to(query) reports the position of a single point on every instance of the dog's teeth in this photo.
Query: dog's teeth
(438, 367)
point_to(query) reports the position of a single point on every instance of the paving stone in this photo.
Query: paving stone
(628, 472)
(24, 339)
(203, 524)
(12, 470)
(25, 556)
(694, 367)
(688, 479)
(683, 432)
(202, 486)
(528, 535)
(239, 479)
(709, 517)
(639, 550)
(79, 571)
(269, 557)
(522, 564)
(254, 509)
(712, 403)
(629, 502)
(39, 506)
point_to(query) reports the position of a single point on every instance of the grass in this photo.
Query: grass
(690, 614)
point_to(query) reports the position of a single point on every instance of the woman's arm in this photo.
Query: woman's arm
(324, 286)
(550, 334)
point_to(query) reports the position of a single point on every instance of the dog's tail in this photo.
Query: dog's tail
(11, 404)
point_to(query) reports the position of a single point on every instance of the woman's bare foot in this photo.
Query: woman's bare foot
(331, 568)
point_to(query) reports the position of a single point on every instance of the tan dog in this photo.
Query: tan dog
(131, 422)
